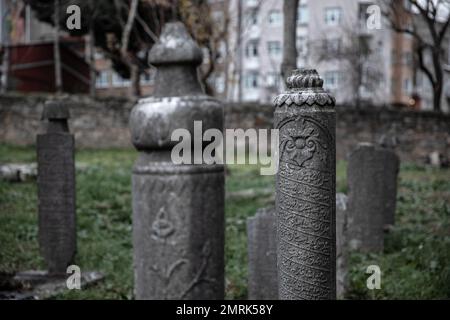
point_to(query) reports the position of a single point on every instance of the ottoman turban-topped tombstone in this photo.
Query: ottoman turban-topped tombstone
(178, 209)
(305, 189)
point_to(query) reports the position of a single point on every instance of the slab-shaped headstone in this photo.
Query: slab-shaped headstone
(262, 255)
(56, 190)
(341, 245)
(372, 183)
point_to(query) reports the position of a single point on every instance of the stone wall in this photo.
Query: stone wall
(103, 123)
(417, 134)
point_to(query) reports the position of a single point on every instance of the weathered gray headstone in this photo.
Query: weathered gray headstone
(341, 245)
(305, 189)
(262, 255)
(372, 182)
(56, 190)
(391, 163)
(178, 209)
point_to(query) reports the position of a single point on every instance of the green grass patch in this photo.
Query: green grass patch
(415, 263)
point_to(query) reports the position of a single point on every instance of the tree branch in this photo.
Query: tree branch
(422, 65)
(128, 26)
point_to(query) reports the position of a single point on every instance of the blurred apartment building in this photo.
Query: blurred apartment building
(359, 63)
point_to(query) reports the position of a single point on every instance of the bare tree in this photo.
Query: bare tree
(354, 49)
(427, 21)
(208, 32)
(91, 44)
(125, 30)
(135, 73)
(289, 62)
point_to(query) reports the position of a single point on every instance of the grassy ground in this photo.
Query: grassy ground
(415, 263)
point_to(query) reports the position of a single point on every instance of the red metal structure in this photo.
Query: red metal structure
(32, 68)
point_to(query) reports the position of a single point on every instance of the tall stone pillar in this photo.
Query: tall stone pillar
(178, 209)
(305, 189)
(56, 190)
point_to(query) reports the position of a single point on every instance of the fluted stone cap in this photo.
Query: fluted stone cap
(175, 46)
(55, 110)
(305, 88)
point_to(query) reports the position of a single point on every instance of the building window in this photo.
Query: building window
(102, 79)
(302, 46)
(221, 51)
(251, 3)
(333, 16)
(407, 5)
(302, 14)
(118, 81)
(363, 15)
(148, 78)
(331, 80)
(275, 17)
(332, 46)
(408, 58)
(98, 55)
(251, 50)
(251, 80)
(407, 86)
(273, 80)
(274, 48)
(219, 84)
(218, 18)
(252, 17)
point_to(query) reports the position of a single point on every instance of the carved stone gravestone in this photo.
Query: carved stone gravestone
(56, 190)
(341, 245)
(391, 168)
(178, 209)
(262, 255)
(305, 189)
(372, 182)
(56, 216)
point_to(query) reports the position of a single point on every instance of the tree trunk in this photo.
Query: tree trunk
(289, 62)
(93, 74)
(56, 52)
(5, 69)
(437, 94)
(6, 34)
(135, 88)
(227, 76)
(238, 63)
(439, 84)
